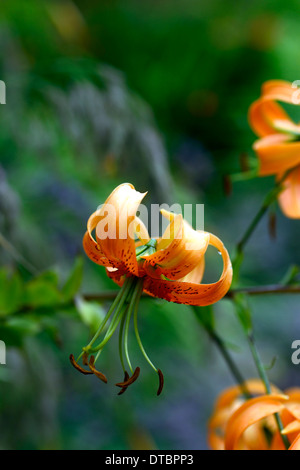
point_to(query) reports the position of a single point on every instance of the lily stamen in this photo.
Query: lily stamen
(161, 382)
(78, 367)
(118, 303)
(98, 374)
(131, 379)
(126, 377)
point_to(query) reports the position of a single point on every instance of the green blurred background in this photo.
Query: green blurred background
(155, 93)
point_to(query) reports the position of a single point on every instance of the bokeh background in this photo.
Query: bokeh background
(155, 93)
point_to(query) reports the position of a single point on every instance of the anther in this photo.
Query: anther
(77, 366)
(126, 377)
(130, 381)
(161, 382)
(85, 360)
(95, 371)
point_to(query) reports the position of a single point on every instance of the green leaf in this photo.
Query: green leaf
(91, 313)
(11, 290)
(290, 276)
(42, 291)
(272, 364)
(17, 329)
(73, 283)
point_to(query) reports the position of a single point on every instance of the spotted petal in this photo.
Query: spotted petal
(185, 292)
(115, 231)
(179, 252)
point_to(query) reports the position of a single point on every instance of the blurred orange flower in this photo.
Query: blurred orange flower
(241, 424)
(278, 147)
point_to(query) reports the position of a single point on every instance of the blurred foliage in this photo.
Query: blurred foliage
(155, 93)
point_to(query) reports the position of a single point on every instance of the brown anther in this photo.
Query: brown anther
(95, 371)
(126, 377)
(130, 381)
(77, 366)
(161, 382)
(85, 359)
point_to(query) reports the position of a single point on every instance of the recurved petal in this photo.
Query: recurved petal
(277, 153)
(196, 275)
(93, 250)
(266, 116)
(91, 247)
(191, 293)
(293, 393)
(289, 198)
(296, 444)
(180, 251)
(253, 386)
(115, 231)
(294, 426)
(215, 441)
(280, 90)
(251, 412)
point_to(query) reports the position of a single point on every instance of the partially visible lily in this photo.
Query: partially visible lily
(170, 267)
(241, 424)
(278, 147)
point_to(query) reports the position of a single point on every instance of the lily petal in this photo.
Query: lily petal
(253, 386)
(277, 153)
(292, 427)
(119, 215)
(179, 252)
(91, 247)
(191, 293)
(296, 444)
(141, 231)
(293, 393)
(264, 116)
(289, 199)
(249, 413)
(279, 90)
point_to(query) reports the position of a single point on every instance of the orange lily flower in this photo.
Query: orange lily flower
(240, 424)
(170, 267)
(278, 147)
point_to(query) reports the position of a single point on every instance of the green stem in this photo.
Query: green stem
(116, 320)
(205, 318)
(120, 342)
(138, 338)
(237, 375)
(133, 304)
(264, 377)
(118, 302)
(270, 198)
